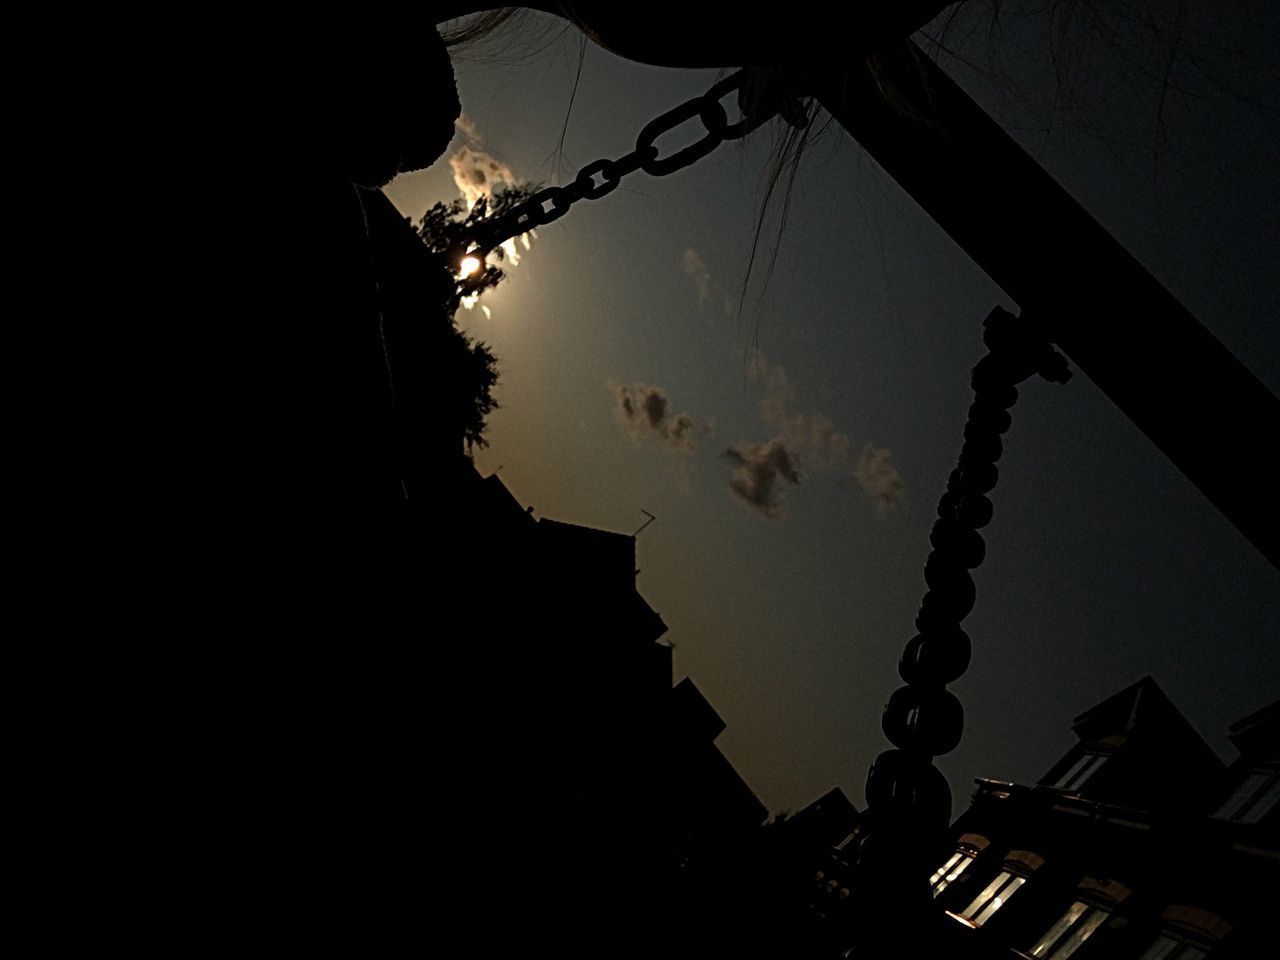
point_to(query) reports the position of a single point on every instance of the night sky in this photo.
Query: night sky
(789, 602)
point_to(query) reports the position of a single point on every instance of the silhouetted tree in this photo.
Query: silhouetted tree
(470, 366)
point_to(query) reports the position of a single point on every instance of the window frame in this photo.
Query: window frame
(849, 839)
(993, 896)
(960, 861)
(1018, 867)
(1247, 806)
(1187, 933)
(1179, 948)
(1082, 770)
(1069, 933)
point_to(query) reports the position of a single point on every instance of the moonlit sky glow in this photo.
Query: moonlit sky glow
(794, 454)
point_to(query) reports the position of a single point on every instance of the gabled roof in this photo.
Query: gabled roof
(692, 714)
(505, 508)
(606, 553)
(1121, 713)
(1258, 734)
(834, 803)
(601, 564)
(1140, 708)
(827, 820)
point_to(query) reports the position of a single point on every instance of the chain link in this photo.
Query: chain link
(923, 719)
(601, 177)
(713, 120)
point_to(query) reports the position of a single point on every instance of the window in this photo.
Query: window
(1253, 799)
(1189, 933)
(1072, 929)
(1080, 771)
(990, 900)
(947, 873)
(1167, 948)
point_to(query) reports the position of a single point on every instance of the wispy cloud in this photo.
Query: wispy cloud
(477, 173)
(881, 480)
(808, 440)
(696, 269)
(645, 410)
(812, 436)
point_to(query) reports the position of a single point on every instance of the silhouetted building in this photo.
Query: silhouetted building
(1137, 844)
(624, 801)
(1125, 848)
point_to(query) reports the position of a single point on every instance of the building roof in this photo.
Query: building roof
(1141, 707)
(1258, 734)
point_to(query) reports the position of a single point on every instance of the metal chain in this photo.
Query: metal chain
(908, 799)
(601, 177)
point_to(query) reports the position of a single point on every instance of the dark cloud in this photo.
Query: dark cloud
(813, 436)
(644, 408)
(762, 472)
(680, 430)
(815, 439)
(654, 404)
(877, 475)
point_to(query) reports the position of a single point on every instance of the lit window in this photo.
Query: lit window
(1167, 948)
(947, 873)
(990, 900)
(1254, 799)
(1080, 771)
(1072, 929)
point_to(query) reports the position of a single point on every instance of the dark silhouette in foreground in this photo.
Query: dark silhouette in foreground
(531, 759)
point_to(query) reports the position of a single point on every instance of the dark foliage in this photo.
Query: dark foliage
(471, 365)
(447, 228)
